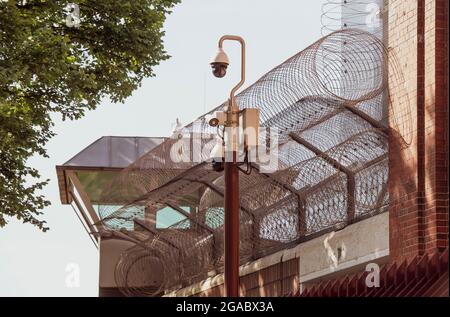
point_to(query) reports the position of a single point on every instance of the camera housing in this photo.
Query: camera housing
(217, 157)
(219, 70)
(220, 63)
(214, 122)
(218, 166)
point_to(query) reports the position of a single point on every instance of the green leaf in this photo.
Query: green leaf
(48, 67)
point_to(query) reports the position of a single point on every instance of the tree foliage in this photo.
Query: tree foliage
(54, 60)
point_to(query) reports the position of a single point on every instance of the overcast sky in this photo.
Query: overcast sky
(33, 263)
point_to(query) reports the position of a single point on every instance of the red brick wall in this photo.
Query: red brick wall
(417, 33)
(436, 125)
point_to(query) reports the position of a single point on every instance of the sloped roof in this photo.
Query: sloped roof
(109, 153)
(113, 152)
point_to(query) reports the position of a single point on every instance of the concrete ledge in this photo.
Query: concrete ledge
(359, 243)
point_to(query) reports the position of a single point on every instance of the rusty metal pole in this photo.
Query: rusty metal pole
(231, 229)
(231, 172)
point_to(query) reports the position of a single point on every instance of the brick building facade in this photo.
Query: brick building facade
(418, 33)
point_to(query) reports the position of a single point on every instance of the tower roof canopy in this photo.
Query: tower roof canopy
(102, 159)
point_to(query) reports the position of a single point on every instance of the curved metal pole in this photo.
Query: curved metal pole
(242, 42)
(231, 173)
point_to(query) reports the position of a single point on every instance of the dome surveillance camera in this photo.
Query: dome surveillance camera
(219, 69)
(220, 63)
